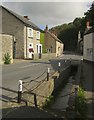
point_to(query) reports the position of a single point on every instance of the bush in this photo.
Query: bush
(80, 103)
(48, 101)
(7, 58)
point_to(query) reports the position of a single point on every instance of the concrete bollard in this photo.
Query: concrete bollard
(48, 72)
(19, 91)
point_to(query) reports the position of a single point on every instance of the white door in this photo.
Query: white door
(31, 51)
(39, 48)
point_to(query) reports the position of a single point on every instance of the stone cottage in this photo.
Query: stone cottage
(52, 43)
(88, 51)
(25, 34)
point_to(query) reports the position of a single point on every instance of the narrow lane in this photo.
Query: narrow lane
(27, 71)
(23, 71)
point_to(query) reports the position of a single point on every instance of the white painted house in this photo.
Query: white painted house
(25, 35)
(88, 51)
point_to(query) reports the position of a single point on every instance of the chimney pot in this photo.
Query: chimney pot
(46, 27)
(26, 17)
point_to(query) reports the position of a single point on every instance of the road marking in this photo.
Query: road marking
(30, 65)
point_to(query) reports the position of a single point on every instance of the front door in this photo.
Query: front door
(40, 49)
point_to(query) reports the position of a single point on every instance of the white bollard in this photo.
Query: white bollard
(65, 61)
(19, 91)
(20, 85)
(59, 65)
(48, 71)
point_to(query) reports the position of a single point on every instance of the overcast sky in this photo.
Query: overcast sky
(49, 13)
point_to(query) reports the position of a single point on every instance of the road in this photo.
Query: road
(26, 71)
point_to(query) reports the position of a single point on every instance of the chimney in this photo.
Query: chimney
(87, 24)
(26, 17)
(46, 29)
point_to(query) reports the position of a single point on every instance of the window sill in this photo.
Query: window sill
(38, 39)
(30, 37)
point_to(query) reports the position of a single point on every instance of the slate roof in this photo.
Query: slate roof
(22, 19)
(55, 37)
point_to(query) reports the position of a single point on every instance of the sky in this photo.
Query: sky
(53, 13)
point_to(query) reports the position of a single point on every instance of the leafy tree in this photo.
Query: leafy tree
(69, 36)
(89, 15)
(68, 33)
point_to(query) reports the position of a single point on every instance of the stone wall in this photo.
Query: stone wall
(7, 46)
(43, 91)
(88, 51)
(48, 55)
(12, 26)
(62, 78)
(46, 88)
(45, 56)
(52, 44)
(49, 42)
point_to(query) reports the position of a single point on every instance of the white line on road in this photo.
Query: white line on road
(30, 65)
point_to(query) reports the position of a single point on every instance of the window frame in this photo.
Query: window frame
(38, 35)
(30, 32)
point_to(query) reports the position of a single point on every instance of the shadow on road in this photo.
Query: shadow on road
(7, 89)
(40, 62)
(25, 112)
(5, 98)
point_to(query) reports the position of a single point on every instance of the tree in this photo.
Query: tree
(68, 33)
(89, 15)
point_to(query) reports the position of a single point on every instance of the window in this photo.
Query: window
(89, 51)
(37, 35)
(30, 32)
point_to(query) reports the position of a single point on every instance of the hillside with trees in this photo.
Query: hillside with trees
(68, 33)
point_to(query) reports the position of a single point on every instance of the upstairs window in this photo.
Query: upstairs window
(89, 51)
(37, 35)
(30, 32)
